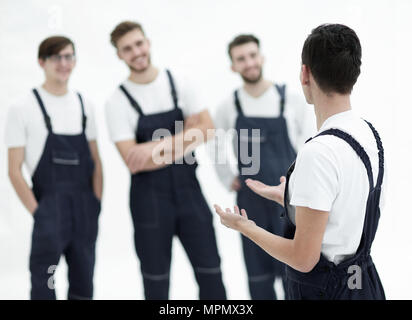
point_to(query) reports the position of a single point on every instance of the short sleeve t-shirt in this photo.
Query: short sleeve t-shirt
(25, 125)
(329, 176)
(154, 97)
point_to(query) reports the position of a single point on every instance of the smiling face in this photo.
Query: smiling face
(247, 61)
(134, 49)
(58, 67)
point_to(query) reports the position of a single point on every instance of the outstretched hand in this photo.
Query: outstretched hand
(234, 220)
(274, 193)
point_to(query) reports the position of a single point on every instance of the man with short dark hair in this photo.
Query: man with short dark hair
(52, 131)
(282, 121)
(165, 196)
(332, 192)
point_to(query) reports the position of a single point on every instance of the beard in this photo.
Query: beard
(252, 80)
(133, 69)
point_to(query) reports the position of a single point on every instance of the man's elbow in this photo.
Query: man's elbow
(206, 124)
(210, 125)
(306, 263)
(208, 130)
(98, 165)
(14, 175)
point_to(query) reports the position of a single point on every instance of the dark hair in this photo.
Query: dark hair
(333, 54)
(122, 28)
(242, 39)
(53, 45)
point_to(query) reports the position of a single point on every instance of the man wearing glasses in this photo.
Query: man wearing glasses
(52, 131)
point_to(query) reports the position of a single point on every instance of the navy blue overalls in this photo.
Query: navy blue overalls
(66, 219)
(330, 281)
(168, 202)
(276, 154)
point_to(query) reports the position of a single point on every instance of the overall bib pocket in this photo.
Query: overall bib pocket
(66, 165)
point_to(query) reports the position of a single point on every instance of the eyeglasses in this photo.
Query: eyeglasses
(59, 57)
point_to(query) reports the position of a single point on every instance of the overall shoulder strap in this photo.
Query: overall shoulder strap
(237, 102)
(380, 155)
(172, 88)
(43, 110)
(281, 89)
(84, 118)
(356, 147)
(132, 101)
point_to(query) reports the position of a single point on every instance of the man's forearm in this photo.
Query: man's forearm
(188, 140)
(173, 148)
(280, 248)
(98, 180)
(23, 191)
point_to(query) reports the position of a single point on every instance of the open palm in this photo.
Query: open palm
(274, 193)
(235, 220)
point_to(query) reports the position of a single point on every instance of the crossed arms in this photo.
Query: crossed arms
(153, 155)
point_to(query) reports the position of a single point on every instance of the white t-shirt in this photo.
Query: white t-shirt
(329, 176)
(152, 97)
(25, 125)
(299, 116)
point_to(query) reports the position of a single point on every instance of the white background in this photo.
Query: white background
(192, 36)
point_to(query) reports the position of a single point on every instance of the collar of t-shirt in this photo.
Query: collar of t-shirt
(145, 86)
(47, 95)
(335, 120)
(154, 96)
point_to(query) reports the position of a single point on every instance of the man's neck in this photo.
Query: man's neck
(329, 105)
(144, 77)
(258, 88)
(55, 88)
